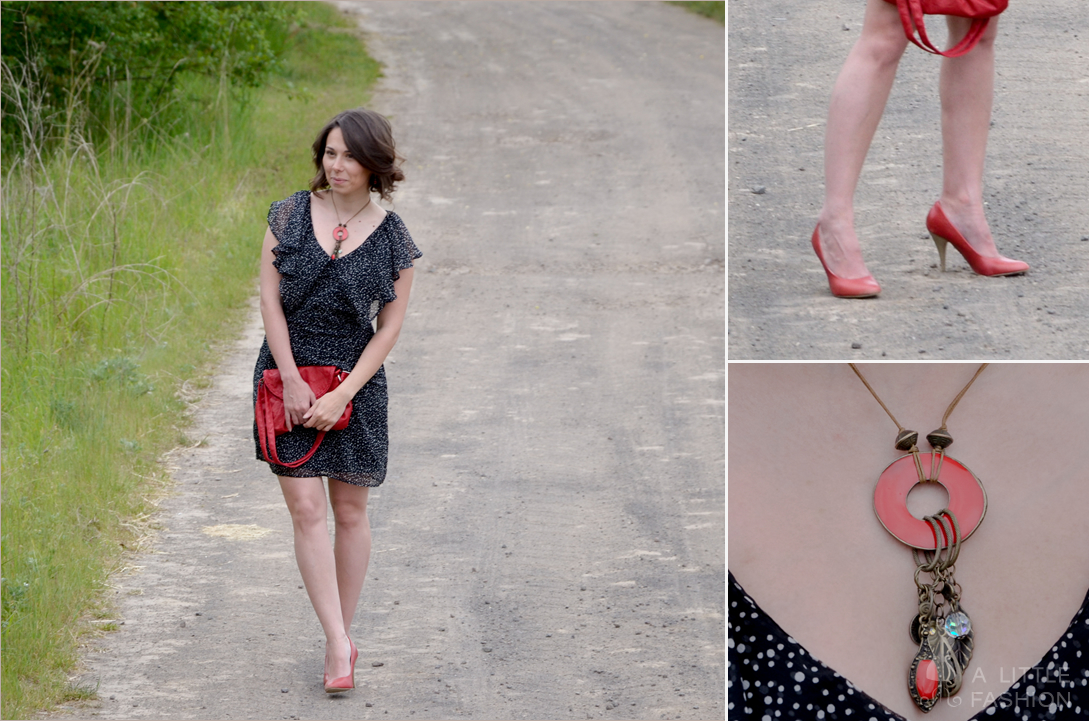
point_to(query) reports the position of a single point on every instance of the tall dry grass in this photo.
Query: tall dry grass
(123, 264)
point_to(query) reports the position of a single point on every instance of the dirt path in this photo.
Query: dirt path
(550, 539)
(784, 59)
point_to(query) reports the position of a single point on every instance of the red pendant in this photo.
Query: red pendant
(967, 500)
(340, 234)
(926, 679)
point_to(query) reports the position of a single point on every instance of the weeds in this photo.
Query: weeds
(124, 261)
(713, 10)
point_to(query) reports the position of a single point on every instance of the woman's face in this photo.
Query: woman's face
(344, 173)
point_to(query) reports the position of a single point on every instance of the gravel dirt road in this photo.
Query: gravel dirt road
(784, 58)
(549, 542)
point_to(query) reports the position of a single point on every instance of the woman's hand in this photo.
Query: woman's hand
(298, 400)
(326, 411)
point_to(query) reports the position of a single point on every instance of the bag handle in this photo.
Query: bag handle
(267, 435)
(911, 16)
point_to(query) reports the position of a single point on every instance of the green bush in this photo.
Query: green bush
(91, 59)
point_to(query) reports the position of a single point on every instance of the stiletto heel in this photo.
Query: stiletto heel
(344, 683)
(940, 243)
(865, 287)
(942, 231)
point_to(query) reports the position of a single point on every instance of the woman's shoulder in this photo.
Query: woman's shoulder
(392, 219)
(286, 217)
(292, 202)
(299, 197)
(402, 245)
(395, 225)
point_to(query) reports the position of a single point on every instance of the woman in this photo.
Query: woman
(821, 594)
(858, 100)
(332, 262)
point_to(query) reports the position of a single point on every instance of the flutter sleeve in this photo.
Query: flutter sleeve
(288, 219)
(400, 252)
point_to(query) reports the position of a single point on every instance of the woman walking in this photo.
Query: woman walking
(332, 262)
(858, 101)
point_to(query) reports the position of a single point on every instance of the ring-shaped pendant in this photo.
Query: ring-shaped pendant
(340, 233)
(967, 500)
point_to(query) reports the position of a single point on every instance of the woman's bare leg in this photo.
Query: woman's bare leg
(353, 543)
(858, 101)
(306, 500)
(967, 94)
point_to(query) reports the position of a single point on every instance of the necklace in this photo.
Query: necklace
(340, 233)
(942, 628)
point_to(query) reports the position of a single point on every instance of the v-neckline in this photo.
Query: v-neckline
(314, 235)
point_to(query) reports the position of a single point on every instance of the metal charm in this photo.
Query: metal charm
(941, 628)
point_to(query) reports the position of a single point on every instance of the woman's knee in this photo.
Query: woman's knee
(989, 36)
(349, 504)
(882, 40)
(307, 513)
(350, 515)
(884, 48)
(305, 498)
(958, 28)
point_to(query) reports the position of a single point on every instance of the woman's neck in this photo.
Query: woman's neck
(348, 203)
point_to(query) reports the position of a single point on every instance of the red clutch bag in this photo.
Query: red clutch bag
(979, 11)
(271, 419)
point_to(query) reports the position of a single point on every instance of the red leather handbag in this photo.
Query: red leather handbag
(979, 12)
(271, 418)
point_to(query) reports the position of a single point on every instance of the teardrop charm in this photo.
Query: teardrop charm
(924, 680)
(938, 668)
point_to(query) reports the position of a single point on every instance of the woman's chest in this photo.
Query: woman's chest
(831, 576)
(342, 236)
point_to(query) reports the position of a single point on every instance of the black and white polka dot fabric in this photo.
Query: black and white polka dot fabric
(329, 305)
(772, 677)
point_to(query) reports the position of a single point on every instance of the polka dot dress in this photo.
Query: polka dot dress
(772, 677)
(329, 305)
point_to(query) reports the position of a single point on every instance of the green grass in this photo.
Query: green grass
(713, 10)
(122, 272)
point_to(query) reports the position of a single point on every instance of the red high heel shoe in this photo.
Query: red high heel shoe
(344, 683)
(865, 287)
(943, 232)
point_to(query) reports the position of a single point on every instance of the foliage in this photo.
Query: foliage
(123, 265)
(713, 10)
(81, 53)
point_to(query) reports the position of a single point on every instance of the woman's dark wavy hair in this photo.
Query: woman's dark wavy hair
(370, 141)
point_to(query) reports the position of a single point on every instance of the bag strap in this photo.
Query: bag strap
(911, 16)
(267, 436)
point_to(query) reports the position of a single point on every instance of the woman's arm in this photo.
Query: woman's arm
(298, 397)
(328, 409)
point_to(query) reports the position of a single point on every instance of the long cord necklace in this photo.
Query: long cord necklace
(941, 628)
(340, 233)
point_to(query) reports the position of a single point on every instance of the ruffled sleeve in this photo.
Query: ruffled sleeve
(402, 250)
(394, 253)
(289, 221)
